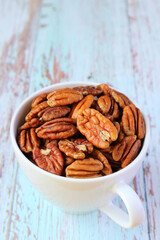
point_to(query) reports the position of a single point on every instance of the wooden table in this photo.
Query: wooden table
(44, 42)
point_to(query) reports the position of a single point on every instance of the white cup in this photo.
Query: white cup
(83, 195)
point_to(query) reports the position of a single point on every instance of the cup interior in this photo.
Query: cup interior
(23, 109)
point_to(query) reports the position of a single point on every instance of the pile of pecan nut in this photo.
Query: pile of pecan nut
(82, 132)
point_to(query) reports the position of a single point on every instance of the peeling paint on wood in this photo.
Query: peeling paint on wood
(47, 41)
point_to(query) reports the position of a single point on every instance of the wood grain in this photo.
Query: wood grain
(43, 42)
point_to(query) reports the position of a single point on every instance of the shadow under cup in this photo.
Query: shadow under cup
(80, 195)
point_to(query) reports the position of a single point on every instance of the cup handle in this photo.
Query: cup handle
(133, 204)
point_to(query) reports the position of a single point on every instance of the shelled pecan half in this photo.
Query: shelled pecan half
(55, 112)
(57, 129)
(108, 107)
(35, 110)
(120, 98)
(97, 129)
(86, 102)
(121, 149)
(105, 88)
(88, 167)
(132, 153)
(49, 159)
(100, 156)
(133, 121)
(39, 99)
(27, 140)
(76, 149)
(34, 122)
(64, 96)
(89, 90)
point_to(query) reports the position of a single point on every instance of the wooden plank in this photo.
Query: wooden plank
(16, 52)
(94, 47)
(144, 22)
(114, 41)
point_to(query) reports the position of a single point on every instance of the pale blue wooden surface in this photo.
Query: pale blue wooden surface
(43, 42)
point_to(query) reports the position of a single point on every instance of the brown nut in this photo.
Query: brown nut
(49, 159)
(85, 168)
(104, 103)
(108, 107)
(40, 98)
(141, 129)
(76, 149)
(57, 129)
(121, 149)
(40, 113)
(115, 165)
(121, 134)
(84, 145)
(133, 121)
(128, 121)
(132, 153)
(89, 90)
(34, 111)
(55, 112)
(100, 156)
(64, 96)
(120, 98)
(28, 140)
(82, 105)
(34, 122)
(97, 129)
(105, 88)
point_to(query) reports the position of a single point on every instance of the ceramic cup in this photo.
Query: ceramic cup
(83, 195)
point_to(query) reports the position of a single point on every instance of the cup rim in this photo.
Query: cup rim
(63, 178)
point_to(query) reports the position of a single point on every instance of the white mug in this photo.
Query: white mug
(83, 195)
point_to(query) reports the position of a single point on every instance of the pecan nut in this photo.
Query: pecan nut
(28, 140)
(89, 90)
(121, 134)
(97, 129)
(108, 107)
(82, 105)
(55, 112)
(100, 156)
(104, 103)
(115, 165)
(39, 99)
(57, 129)
(121, 149)
(34, 122)
(127, 150)
(35, 110)
(128, 121)
(76, 149)
(120, 98)
(133, 121)
(64, 96)
(132, 153)
(105, 88)
(88, 167)
(49, 159)
(141, 129)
